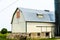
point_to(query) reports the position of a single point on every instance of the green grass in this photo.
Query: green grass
(43, 39)
(3, 37)
(49, 39)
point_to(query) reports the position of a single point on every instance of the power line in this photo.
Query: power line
(8, 6)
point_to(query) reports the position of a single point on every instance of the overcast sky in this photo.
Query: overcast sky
(7, 8)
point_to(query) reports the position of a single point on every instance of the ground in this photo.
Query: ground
(3, 37)
(46, 39)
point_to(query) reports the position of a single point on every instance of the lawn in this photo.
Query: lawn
(45, 39)
(3, 37)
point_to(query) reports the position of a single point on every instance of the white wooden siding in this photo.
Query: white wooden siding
(45, 27)
(18, 28)
(18, 25)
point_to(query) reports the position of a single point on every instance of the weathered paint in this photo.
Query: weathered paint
(44, 27)
(18, 25)
(36, 27)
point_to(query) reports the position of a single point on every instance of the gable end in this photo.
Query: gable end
(13, 15)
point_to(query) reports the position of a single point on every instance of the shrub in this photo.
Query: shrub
(4, 31)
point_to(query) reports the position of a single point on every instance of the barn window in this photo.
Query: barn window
(17, 14)
(47, 33)
(29, 34)
(40, 15)
(38, 34)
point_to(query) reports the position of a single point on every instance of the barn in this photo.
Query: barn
(34, 23)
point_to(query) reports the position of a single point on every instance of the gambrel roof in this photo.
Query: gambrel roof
(31, 15)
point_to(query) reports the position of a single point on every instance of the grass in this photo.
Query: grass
(49, 39)
(3, 37)
(44, 39)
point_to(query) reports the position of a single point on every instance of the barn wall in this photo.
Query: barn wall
(18, 25)
(39, 27)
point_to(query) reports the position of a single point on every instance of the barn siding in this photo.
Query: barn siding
(32, 27)
(18, 24)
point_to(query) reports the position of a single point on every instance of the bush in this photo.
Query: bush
(4, 31)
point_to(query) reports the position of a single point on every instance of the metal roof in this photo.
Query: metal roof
(31, 15)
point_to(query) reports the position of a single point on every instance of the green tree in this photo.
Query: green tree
(4, 31)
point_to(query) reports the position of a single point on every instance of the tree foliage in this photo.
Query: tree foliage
(4, 31)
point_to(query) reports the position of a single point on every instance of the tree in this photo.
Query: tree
(4, 31)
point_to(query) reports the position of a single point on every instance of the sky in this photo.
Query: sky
(7, 8)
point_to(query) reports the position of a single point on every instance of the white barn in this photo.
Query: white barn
(36, 23)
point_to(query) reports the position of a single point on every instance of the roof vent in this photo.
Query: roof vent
(46, 10)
